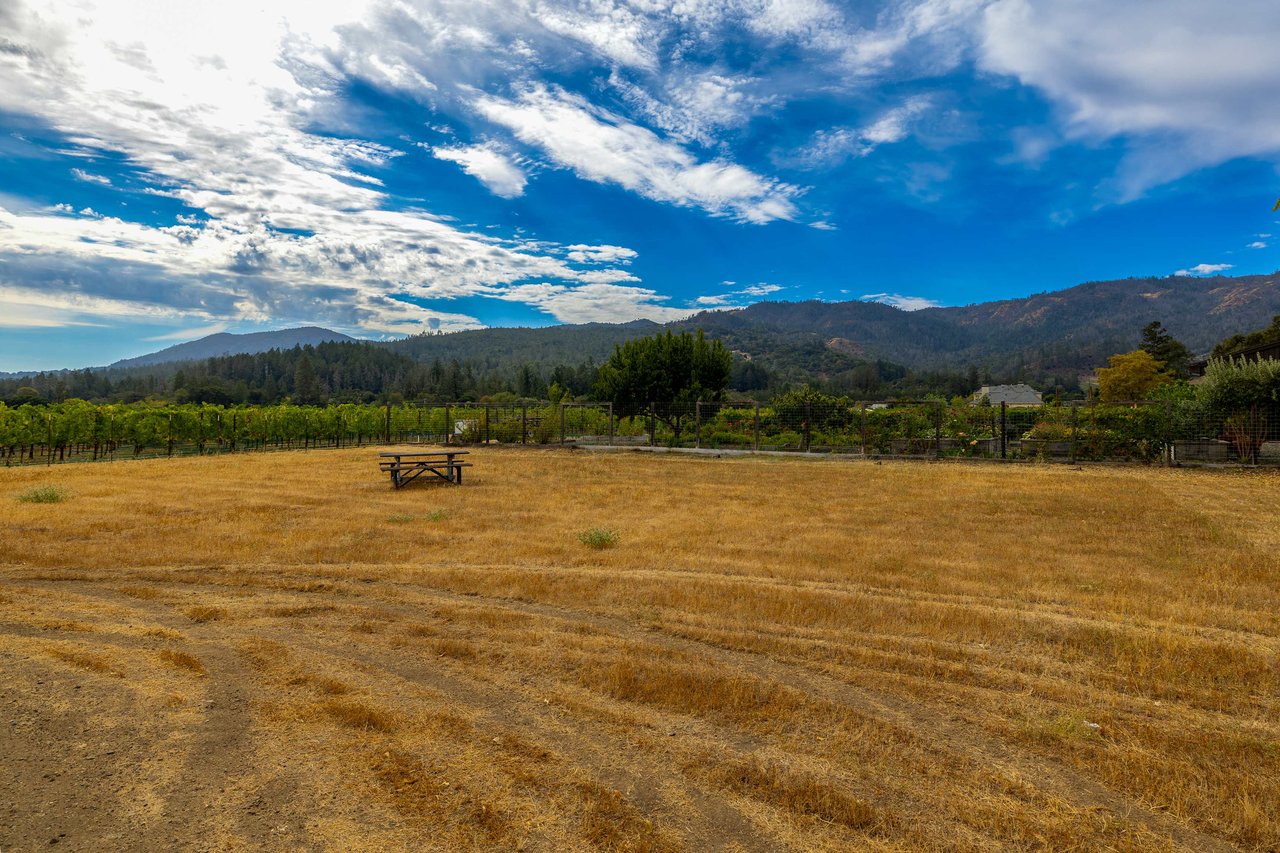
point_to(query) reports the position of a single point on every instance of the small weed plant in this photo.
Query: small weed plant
(399, 519)
(44, 495)
(598, 538)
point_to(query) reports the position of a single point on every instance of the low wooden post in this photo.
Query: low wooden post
(697, 424)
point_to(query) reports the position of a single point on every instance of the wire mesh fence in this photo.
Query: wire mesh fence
(1169, 432)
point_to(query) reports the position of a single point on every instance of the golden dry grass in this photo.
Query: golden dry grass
(774, 654)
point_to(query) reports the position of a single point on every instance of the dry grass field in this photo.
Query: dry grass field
(279, 651)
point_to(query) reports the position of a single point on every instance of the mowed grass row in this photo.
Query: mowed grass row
(768, 653)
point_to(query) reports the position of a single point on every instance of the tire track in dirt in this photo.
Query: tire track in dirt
(1044, 774)
(931, 725)
(220, 749)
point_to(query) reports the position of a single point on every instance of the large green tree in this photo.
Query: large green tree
(1166, 349)
(666, 369)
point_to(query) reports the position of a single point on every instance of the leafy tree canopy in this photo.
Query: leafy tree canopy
(681, 368)
(1235, 343)
(1131, 376)
(1166, 349)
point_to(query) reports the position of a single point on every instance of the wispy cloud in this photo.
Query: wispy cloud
(487, 164)
(1204, 269)
(603, 147)
(189, 334)
(897, 300)
(82, 175)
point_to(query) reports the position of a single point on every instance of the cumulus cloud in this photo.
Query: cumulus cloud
(583, 254)
(897, 300)
(1204, 269)
(487, 164)
(1257, 244)
(603, 147)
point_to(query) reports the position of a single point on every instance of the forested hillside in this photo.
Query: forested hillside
(862, 349)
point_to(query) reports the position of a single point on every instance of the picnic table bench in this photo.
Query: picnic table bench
(407, 466)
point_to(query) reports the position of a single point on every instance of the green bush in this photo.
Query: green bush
(44, 495)
(598, 538)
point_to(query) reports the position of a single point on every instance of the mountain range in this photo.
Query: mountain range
(1057, 336)
(226, 343)
(1066, 332)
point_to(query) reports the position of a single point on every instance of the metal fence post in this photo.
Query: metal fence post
(524, 424)
(757, 430)
(486, 424)
(1075, 427)
(862, 426)
(386, 427)
(1004, 429)
(447, 429)
(1169, 432)
(808, 418)
(562, 424)
(611, 423)
(697, 424)
(937, 432)
(653, 425)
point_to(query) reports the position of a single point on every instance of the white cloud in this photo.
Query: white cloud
(1205, 269)
(211, 105)
(605, 254)
(1188, 83)
(189, 334)
(739, 297)
(894, 125)
(897, 300)
(82, 175)
(1257, 244)
(487, 164)
(823, 225)
(595, 303)
(600, 146)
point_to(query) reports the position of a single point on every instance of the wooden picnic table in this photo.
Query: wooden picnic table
(405, 466)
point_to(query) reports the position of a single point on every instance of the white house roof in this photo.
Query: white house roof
(1011, 395)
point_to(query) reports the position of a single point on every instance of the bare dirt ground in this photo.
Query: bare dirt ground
(278, 651)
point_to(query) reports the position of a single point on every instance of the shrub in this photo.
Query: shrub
(598, 538)
(44, 495)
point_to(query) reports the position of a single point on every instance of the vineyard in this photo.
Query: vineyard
(1168, 431)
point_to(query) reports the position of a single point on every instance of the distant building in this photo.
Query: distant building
(1011, 395)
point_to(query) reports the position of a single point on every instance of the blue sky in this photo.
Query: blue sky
(172, 169)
